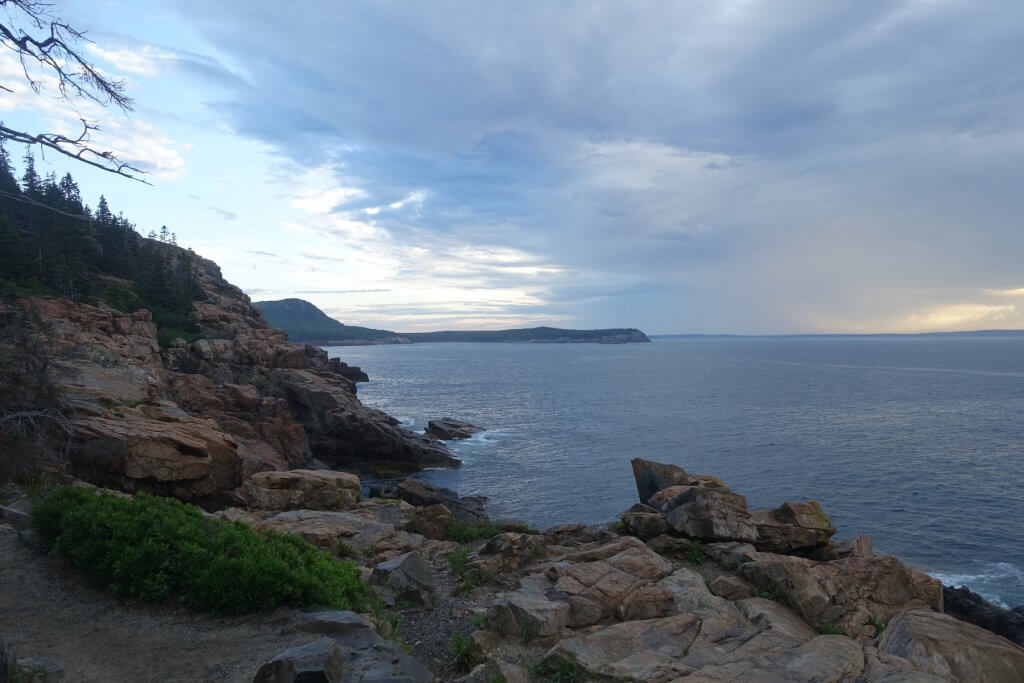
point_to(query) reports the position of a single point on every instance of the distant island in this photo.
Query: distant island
(304, 322)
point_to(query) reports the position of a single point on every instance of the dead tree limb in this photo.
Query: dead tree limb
(53, 48)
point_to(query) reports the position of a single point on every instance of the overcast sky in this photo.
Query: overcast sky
(691, 166)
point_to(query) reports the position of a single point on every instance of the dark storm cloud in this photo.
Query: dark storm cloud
(771, 166)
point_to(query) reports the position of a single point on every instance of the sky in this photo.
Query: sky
(701, 166)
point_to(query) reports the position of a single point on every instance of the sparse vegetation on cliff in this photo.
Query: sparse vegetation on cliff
(54, 244)
(156, 549)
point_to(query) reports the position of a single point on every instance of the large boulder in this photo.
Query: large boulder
(848, 593)
(302, 490)
(530, 611)
(643, 521)
(644, 650)
(365, 656)
(711, 514)
(337, 532)
(317, 662)
(652, 477)
(955, 650)
(448, 428)
(406, 577)
(466, 509)
(507, 551)
(792, 526)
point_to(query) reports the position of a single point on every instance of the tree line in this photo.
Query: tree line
(51, 243)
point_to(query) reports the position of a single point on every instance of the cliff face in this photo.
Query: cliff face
(195, 419)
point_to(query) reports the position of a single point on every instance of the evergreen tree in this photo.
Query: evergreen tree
(30, 182)
(103, 214)
(8, 183)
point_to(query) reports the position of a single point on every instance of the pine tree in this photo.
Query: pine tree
(30, 182)
(103, 214)
(8, 183)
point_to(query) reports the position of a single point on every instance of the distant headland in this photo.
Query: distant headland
(304, 322)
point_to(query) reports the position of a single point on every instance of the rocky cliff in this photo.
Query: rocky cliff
(195, 419)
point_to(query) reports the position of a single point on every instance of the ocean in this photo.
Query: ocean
(917, 441)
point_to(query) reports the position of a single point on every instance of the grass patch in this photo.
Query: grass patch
(827, 628)
(530, 631)
(695, 553)
(516, 526)
(467, 533)
(466, 656)
(474, 578)
(773, 592)
(563, 669)
(478, 621)
(157, 549)
(457, 561)
(620, 527)
(878, 623)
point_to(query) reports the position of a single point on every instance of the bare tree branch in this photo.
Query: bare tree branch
(56, 52)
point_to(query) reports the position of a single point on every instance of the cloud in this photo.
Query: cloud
(701, 166)
(144, 60)
(223, 213)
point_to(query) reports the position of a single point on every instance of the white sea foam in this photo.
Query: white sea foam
(998, 574)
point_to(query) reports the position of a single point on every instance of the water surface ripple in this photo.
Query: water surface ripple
(917, 441)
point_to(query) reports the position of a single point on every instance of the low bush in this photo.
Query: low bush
(467, 533)
(156, 549)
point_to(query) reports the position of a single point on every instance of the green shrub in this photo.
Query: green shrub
(155, 549)
(878, 623)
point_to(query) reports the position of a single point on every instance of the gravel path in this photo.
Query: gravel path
(47, 611)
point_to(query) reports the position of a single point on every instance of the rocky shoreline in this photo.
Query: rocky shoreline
(688, 585)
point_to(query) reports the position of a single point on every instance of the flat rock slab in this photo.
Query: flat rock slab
(939, 644)
(302, 490)
(643, 650)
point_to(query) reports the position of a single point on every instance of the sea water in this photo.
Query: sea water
(916, 441)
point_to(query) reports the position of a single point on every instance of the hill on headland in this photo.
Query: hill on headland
(304, 322)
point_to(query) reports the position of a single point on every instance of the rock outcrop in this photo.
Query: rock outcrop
(951, 649)
(448, 428)
(966, 605)
(302, 490)
(465, 509)
(197, 419)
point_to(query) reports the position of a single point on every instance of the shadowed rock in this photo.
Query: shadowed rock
(448, 428)
(968, 606)
(318, 662)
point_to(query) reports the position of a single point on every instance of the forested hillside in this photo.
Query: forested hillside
(52, 243)
(303, 321)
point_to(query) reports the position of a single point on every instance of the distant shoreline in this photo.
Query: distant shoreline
(863, 335)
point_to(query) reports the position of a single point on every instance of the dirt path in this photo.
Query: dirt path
(47, 611)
